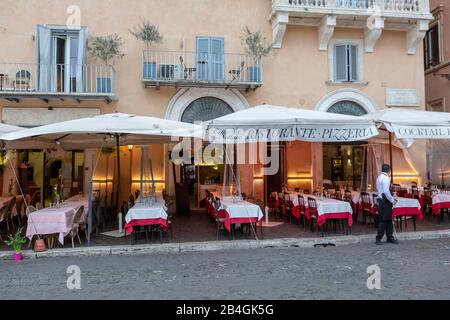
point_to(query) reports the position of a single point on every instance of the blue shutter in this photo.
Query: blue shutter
(202, 56)
(217, 59)
(43, 59)
(340, 63)
(353, 55)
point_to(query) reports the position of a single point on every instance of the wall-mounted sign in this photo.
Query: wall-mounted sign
(402, 97)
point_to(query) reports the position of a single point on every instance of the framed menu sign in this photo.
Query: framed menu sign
(402, 97)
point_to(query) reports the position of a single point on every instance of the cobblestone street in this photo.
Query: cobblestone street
(411, 270)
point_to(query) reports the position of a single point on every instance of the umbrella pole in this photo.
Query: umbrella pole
(390, 157)
(90, 218)
(118, 171)
(142, 172)
(151, 169)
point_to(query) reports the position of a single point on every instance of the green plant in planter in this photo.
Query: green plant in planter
(257, 47)
(106, 48)
(17, 241)
(147, 33)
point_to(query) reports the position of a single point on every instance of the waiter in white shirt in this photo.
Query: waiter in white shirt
(385, 203)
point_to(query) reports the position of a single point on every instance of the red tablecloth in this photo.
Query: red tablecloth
(223, 214)
(441, 205)
(326, 216)
(145, 222)
(407, 212)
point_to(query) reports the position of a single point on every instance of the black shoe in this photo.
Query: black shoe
(393, 241)
(378, 242)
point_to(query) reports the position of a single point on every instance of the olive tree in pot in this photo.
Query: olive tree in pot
(16, 243)
(147, 33)
(256, 47)
(106, 48)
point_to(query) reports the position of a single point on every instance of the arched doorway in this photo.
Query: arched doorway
(343, 163)
(202, 105)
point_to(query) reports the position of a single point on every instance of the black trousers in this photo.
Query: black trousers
(385, 220)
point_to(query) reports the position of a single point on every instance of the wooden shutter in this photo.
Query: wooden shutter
(217, 59)
(340, 63)
(353, 58)
(202, 57)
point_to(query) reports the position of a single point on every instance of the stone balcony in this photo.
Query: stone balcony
(374, 16)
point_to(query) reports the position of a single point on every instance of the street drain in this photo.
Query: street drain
(324, 245)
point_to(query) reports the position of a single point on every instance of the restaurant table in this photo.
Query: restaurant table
(404, 206)
(328, 208)
(236, 211)
(54, 219)
(440, 201)
(145, 214)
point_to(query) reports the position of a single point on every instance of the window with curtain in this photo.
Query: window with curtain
(346, 63)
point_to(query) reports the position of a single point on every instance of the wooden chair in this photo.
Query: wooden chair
(313, 214)
(367, 208)
(415, 192)
(8, 216)
(220, 222)
(287, 207)
(302, 210)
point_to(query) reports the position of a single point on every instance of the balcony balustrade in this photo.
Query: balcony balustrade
(193, 69)
(59, 81)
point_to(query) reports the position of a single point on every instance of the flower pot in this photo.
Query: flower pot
(254, 74)
(104, 85)
(17, 256)
(39, 245)
(149, 71)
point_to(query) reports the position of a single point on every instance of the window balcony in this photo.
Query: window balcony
(193, 69)
(59, 81)
(411, 16)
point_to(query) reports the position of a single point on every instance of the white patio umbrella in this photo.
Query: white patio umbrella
(276, 123)
(268, 123)
(407, 125)
(106, 130)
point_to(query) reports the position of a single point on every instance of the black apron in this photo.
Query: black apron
(384, 209)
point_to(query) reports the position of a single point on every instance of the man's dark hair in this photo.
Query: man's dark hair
(385, 168)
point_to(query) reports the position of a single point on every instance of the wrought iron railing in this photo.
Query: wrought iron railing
(56, 78)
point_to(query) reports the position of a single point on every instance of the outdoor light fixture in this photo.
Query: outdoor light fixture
(130, 147)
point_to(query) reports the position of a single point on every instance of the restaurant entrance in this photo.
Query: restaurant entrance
(342, 165)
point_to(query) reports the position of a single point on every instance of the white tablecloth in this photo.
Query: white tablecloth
(54, 220)
(328, 205)
(402, 202)
(441, 198)
(140, 211)
(241, 209)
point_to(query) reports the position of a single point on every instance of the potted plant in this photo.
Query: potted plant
(106, 48)
(257, 47)
(148, 34)
(16, 243)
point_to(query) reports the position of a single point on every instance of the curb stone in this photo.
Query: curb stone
(174, 248)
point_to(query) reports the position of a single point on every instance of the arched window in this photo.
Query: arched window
(347, 107)
(204, 109)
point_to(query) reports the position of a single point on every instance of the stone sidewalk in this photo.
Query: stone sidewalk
(222, 245)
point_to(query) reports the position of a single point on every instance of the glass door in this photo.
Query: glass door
(64, 62)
